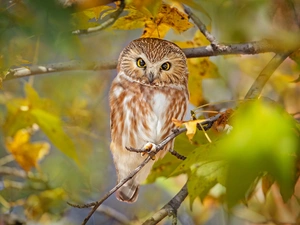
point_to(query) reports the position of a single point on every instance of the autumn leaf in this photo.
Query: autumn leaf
(26, 154)
(31, 110)
(199, 69)
(156, 25)
(166, 18)
(134, 20)
(52, 127)
(53, 201)
(222, 121)
(95, 12)
(204, 177)
(190, 125)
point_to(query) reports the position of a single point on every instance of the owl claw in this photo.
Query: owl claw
(149, 149)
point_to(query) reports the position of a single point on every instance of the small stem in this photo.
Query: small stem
(258, 85)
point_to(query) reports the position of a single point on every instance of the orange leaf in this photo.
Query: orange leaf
(25, 153)
(221, 123)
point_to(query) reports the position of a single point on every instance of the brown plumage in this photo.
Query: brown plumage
(149, 90)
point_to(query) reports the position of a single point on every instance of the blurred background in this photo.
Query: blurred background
(55, 126)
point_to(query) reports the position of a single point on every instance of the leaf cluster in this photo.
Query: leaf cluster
(263, 142)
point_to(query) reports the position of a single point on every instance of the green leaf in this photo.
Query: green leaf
(165, 166)
(198, 156)
(263, 140)
(204, 177)
(17, 116)
(52, 126)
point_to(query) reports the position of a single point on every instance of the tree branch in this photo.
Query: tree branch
(5, 171)
(106, 23)
(258, 85)
(170, 209)
(201, 26)
(251, 48)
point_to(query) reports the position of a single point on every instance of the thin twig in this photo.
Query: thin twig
(105, 24)
(6, 159)
(258, 85)
(111, 212)
(58, 67)
(201, 26)
(177, 155)
(170, 209)
(251, 48)
(5, 170)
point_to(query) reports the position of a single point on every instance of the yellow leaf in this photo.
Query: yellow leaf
(151, 5)
(52, 126)
(199, 69)
(167, 17)
(48, 202)
(178, 123)
(25, 153)
(157, 21)
(190, 125)
(95, 12)
(135, 19)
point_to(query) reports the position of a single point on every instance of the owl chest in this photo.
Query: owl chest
(155, 105)
(147, 115)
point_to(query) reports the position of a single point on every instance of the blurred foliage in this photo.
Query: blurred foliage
(54, 136)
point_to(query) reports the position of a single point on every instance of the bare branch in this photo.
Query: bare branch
(250, 48)
(205, 51)
(57, 67)
(108, 22)
(6, 159)
(258, 85)
(177, 155)
(170, 209)
(5, 170)
(201, 26)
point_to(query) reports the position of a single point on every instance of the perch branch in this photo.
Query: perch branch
(258, 85)
(170, 209)
(106, 23)
(250, 48)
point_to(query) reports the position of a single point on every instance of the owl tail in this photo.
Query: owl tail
(128, 193)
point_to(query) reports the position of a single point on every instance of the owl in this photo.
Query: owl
(149, 90)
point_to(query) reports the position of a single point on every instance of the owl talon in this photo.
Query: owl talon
(149, 149)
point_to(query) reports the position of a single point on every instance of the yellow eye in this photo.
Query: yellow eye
(140, 63)
(166, 66)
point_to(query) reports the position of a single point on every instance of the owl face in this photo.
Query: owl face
(153, 62)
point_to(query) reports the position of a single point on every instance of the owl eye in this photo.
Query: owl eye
(140, 63)
(166, 66)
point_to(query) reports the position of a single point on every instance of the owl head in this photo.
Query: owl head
(153, 62)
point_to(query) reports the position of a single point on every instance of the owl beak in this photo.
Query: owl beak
(151, 77)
